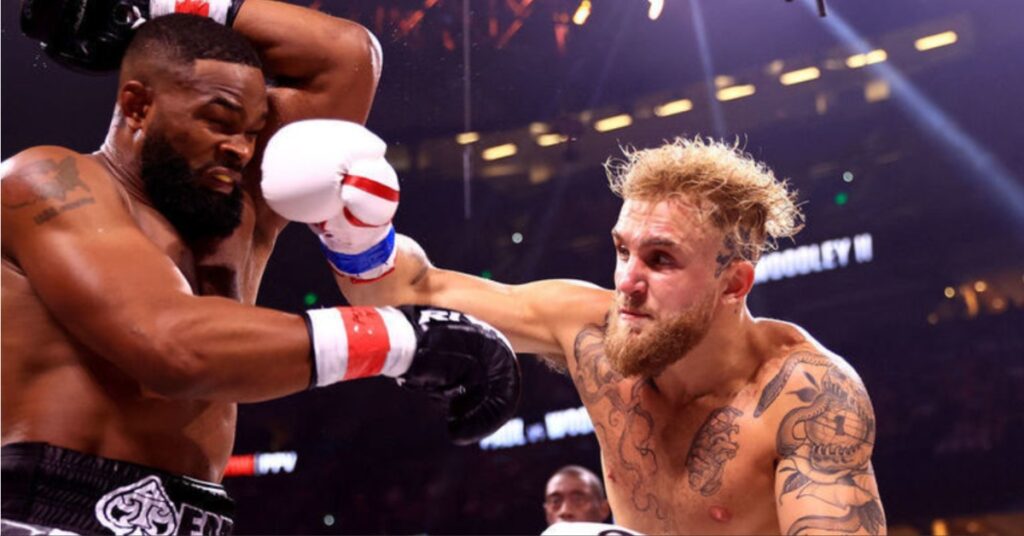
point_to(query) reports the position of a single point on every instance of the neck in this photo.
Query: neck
(119, 153)
(721, 364)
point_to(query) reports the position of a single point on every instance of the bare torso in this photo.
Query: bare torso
(56, 390)
(705, 467)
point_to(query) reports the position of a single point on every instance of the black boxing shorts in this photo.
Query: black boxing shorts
(52, 490)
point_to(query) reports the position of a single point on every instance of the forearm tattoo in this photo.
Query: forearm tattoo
(598, 386)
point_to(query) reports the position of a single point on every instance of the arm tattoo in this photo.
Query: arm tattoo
(47, 181)
(825, 446)
(774, 387)
(597, 383)
(712, 447)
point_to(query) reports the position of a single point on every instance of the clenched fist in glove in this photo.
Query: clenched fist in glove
(448, 355)
(332, 175)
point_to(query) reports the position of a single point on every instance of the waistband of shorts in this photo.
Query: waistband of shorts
(64, 488)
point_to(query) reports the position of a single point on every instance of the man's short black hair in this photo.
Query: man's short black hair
(186, 38)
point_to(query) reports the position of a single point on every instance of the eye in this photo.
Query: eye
(662, 259)
(219, 125)
(621, 251)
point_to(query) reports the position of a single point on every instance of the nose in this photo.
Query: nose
(565, 514)
(630, 277)
(239, 147)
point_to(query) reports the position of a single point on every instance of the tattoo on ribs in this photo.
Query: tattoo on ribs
(825, 446)
(712, 447)
(598, 386)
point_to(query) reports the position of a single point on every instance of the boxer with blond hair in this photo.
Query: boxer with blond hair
(710, 420)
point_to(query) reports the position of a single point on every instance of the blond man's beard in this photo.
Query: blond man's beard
(650, 352)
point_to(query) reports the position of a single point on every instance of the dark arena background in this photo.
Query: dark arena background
(899, 121)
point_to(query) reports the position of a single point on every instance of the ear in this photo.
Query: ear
(136, 102)
(605, 510)
(738, 279)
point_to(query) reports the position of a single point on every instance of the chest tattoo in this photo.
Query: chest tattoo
(600, 389)
(712, 447)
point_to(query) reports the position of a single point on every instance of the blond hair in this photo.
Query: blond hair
(741, 195)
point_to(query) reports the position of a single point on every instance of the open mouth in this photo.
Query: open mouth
(222, 179)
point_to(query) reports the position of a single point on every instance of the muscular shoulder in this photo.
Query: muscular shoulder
(812, 391)
(805, 365)
(48, 172)
(42, 183)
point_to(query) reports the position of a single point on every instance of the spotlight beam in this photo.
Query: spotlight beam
(700, 31)
(977, 161)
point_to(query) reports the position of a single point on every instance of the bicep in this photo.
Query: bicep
(89, 264)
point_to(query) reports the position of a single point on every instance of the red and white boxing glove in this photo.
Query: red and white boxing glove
(333, 175)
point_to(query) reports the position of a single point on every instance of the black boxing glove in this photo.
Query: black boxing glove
(450, 356)
(466, 363)
(92, 35)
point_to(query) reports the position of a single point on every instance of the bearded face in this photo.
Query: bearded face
(176, 190)
(649, 349)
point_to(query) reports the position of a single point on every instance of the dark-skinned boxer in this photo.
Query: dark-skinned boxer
(129, 274)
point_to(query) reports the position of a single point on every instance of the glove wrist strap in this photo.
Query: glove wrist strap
(222, 11)
(373, 263)
(358, 342)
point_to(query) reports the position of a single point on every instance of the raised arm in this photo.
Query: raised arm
(541, 317)
(322, 66)
(824, 481)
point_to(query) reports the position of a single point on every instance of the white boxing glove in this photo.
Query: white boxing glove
(332, 174)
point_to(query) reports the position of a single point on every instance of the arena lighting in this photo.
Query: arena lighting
(547, 140)
(499, 151)
(857, 61)
(466, 138)
(612, 123)
(929, 42)
(582, 12)
(673, 107)
(537, 128)
(876, 90)
(980, 286)
(799, 76)
(949, 292)
(655, 9)
(735, 92)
